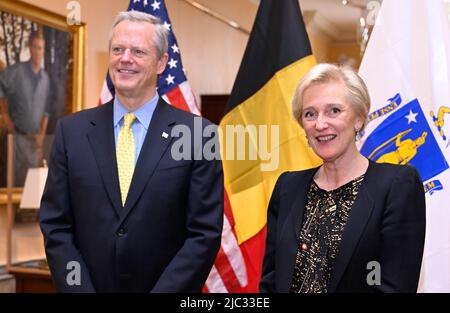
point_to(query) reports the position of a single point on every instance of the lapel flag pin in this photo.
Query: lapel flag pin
(165, 135)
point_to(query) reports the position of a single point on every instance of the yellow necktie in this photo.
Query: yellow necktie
(125, 155)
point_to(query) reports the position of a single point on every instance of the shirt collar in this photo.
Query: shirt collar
(30, 68)
(143, 114)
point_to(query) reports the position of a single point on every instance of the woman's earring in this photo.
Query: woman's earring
(356, 133)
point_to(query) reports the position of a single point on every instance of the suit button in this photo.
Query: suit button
(121, 232)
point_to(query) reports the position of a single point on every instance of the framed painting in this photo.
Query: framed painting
(42, 57)
(41, 79)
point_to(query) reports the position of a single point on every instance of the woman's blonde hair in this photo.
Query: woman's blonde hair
(323, 73)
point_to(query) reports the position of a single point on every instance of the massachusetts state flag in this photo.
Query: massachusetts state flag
(407, 71)
(172, 84)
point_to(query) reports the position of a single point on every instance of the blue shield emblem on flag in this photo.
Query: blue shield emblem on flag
(405, 138)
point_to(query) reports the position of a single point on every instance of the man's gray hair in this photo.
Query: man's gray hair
(161, 41)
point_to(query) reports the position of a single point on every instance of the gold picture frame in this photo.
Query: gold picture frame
(74, 88)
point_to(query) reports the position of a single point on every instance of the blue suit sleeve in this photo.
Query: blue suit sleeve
(56, 221)
(267, 283)
(403, 233)
(189, 269)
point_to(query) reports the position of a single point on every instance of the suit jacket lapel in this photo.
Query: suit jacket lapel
(101, 139)
(294, 223)
(357, 220)
(152, 150)
(298, 206)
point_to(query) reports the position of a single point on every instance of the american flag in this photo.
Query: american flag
(229, 271)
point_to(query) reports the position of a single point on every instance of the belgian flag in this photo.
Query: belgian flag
(277, 55)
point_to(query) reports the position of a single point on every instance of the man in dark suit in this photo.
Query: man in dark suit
(121, 212)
